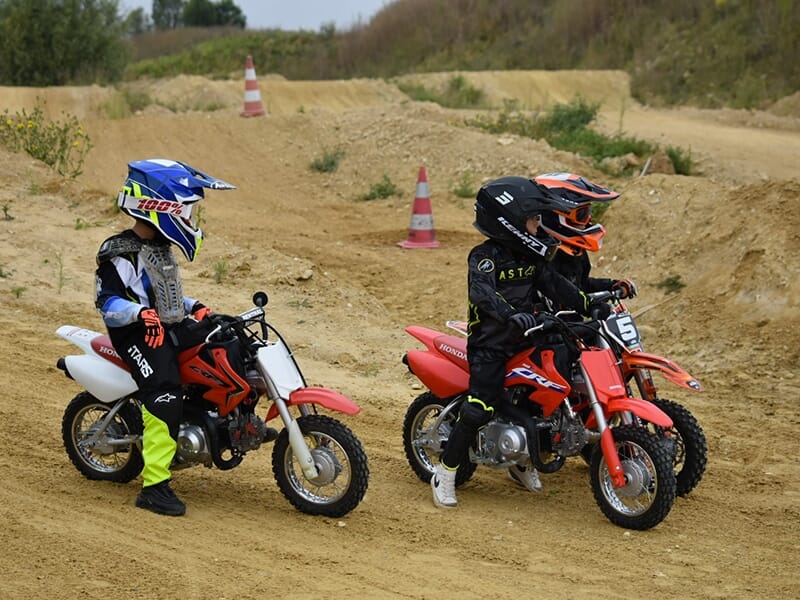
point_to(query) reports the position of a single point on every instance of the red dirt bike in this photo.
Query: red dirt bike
(317, 461)
(619, 333)
(537, 419)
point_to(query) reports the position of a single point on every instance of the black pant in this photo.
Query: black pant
(487, 370)
(486, 387)
(155, 371)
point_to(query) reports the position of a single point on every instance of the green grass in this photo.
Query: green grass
(302, 303)
(681, 160)
(221, 270)
(567, 127)
(458, 93)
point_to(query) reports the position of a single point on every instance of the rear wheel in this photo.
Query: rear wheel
(423, 443)
(112, 454)
(341, 463)
(649, 491)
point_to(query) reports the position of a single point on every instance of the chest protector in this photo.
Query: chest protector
(161, 267)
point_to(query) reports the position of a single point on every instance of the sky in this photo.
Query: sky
(293, 14)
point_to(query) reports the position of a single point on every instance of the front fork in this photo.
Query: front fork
(607, 444)
(296, 439)
(647, 387)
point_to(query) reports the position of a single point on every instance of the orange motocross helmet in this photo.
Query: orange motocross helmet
(574, 228)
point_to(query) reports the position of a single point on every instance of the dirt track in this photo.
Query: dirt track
(731, 233)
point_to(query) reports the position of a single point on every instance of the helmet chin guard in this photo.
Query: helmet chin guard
(163, 194)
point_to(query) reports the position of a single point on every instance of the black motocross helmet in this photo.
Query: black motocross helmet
(503, 207)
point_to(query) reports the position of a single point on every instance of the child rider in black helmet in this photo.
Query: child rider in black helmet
(506, 273)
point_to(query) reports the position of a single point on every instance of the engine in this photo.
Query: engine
(247, 432)
(240, 431)
(192, 447)
(567, 433)
(501, 443)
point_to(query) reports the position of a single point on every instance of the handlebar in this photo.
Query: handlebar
(215, 325)
(235, 324)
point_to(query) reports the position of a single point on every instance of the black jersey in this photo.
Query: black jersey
(502, 283)
(576, 269)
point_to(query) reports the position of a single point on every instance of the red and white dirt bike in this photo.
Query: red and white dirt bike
(317, 461)
(538, 418)
(619, 332)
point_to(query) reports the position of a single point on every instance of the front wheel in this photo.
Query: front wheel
(424, 444)
(691, 450)
(649, 492)
(340, 460)
(108, 454)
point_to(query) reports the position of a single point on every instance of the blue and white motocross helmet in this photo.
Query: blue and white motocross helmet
(163, 193)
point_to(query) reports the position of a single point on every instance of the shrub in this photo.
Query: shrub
(572, 117)
(464, 187)
(383, 189)
(681, 160)
(61, 145)
(329, 161)
(671, 284)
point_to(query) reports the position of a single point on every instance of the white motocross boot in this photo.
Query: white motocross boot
(443, 485)
(526, 476)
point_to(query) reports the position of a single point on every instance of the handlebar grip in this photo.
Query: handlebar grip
(601, 296)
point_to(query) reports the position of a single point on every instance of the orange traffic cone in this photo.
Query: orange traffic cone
(252, 95)
(420, 233)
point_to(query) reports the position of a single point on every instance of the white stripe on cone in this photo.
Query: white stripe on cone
(422, 222)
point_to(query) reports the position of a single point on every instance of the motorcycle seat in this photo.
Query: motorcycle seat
(103, 346)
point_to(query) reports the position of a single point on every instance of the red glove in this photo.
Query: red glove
(626, 286)
(200, 311)
(153, 329)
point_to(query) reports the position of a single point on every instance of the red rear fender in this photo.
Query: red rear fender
(424, 335)
(439, 375)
